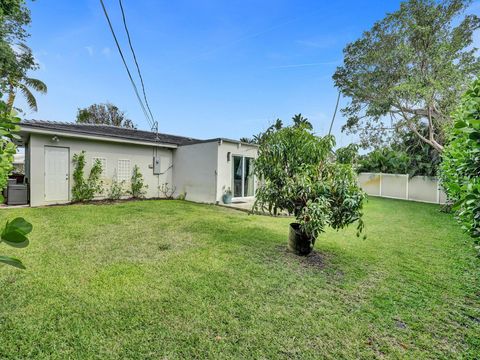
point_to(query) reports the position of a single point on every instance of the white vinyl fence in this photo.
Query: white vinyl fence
(398, 186)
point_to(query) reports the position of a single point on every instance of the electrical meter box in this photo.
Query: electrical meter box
(156, 166)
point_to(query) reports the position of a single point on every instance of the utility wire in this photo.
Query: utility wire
(150, 121)
(155, 124)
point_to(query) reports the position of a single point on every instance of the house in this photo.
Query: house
(202, 170)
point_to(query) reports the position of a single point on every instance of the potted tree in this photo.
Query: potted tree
(301, 177)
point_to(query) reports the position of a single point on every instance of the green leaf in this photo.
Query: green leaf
(21, 225)
(474, 136)
(14, 235)
(460, 124)
(456, 206)
(15, 238)
(11, 261)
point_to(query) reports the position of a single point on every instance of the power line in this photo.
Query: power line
(150, 121)
(155, 123)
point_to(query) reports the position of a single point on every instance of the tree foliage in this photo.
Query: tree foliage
(14, 16)
(298, 121)
(16, 58)
(15, 232)
(410, 68)
(407, 154)
(105, 114)
(460, 169)
(8, 129)
(347, 154)
(24, 84)
(384, 160)
(299, 176)
(86, 189)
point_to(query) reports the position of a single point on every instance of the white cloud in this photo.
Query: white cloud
(336, 62)
(322, 42)
(89, 50)
(37, 55)
(106, 51)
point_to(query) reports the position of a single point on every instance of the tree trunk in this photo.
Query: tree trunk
(11, 98)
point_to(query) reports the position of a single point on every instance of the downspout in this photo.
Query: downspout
(158, 176)
(216, 201)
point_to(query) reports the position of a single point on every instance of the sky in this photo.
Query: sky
(211, 68)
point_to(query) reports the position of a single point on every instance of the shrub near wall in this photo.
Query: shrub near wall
(460, 169)
(86, 189)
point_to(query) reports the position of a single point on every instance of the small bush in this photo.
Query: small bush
(167, 191)
(385, 160)
(117, 190)
(137, 185)
(86, 189)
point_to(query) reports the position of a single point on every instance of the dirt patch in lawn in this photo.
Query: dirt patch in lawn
(107, 201)
(314, 260)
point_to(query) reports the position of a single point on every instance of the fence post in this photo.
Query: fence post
(407, 194)
(438, 191)
(380, 176)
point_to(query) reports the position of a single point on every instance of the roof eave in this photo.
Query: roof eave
(220, 140)
(33, 130)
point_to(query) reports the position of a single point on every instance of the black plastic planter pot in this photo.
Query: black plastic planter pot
(298, 242)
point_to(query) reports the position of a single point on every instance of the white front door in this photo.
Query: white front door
(57, 173)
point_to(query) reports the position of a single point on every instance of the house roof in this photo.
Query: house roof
(106, 131)
(243, 143)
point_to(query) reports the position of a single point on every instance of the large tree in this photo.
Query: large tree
(300, 120)
(18, 80)
(16, 58)
(107, 114)
(409, 71)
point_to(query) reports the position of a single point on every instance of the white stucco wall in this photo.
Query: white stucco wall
(225, 168)
(194, 171)
(141, 155)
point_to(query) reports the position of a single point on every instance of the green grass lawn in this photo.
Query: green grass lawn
(172, 279)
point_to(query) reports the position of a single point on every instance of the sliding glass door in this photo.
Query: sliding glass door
(243, 183)
(237, 176)
(248, 182)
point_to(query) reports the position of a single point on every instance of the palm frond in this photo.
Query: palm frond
(36, 84)
(31, 101)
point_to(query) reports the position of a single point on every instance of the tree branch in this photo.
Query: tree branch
(412, 127)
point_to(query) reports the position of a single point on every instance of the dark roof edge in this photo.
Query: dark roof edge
(101, 131)
(220, 139)
(85, 134)
(39, 123)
